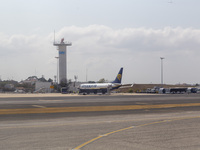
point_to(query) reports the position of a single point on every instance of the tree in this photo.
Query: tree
(50, 80)
(42, 79)
(102, 80)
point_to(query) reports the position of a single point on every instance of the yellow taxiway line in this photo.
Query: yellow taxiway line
(90, 108)
(131, 127)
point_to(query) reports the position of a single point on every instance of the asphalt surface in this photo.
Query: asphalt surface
(139, 122)
(55, 107)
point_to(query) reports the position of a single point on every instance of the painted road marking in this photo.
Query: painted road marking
(38, 106)
(51, 100)
(151, 123)
(90, 108)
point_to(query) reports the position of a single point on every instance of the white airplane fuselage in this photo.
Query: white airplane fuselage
(101, 87)
(96, 87)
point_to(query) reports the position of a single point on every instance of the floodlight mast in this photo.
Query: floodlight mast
(161, 58)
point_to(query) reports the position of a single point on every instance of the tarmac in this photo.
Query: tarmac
(173, 124)
(2, 95)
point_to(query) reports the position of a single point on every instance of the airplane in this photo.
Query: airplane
(101, 87)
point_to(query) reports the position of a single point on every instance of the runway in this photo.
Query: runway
(74, 106)
(100, 122)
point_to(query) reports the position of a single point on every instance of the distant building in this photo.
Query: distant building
(30, 80)
(43, 87)
(9, 86)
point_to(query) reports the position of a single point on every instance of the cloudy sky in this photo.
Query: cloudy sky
(106, 35)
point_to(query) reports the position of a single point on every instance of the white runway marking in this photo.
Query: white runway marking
(38, 106)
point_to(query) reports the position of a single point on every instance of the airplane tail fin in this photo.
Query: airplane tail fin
(118, 79)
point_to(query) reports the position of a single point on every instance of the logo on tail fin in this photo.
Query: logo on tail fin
(119, 76)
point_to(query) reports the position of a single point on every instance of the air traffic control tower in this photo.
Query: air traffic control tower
(62, 56)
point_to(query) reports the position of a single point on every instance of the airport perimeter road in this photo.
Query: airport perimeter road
(159, 122)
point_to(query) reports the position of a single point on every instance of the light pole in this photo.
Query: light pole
(161, 58)
(57, 71)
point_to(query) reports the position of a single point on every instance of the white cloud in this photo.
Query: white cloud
(103, 50)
